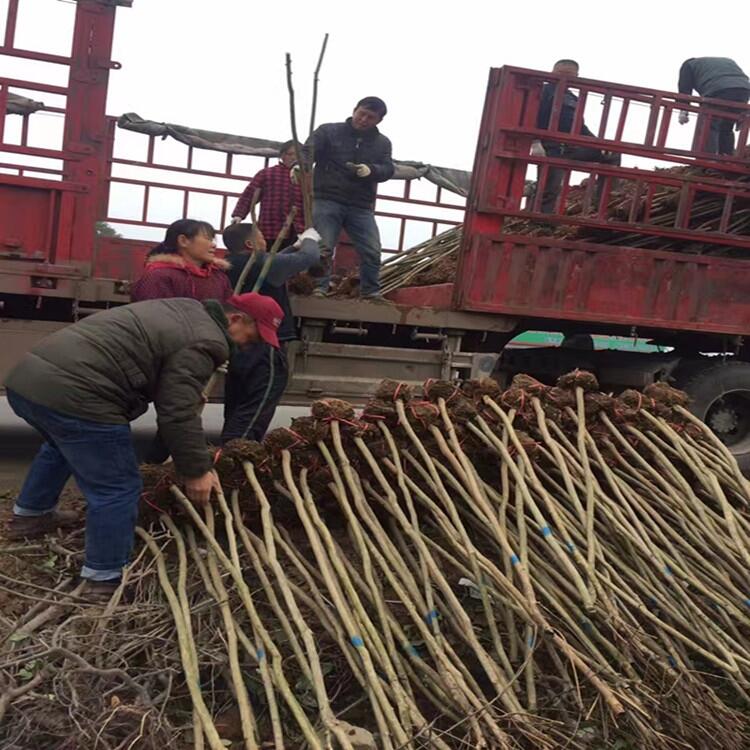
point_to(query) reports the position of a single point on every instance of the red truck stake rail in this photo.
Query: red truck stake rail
(544, 277)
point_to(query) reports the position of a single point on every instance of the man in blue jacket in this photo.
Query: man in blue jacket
(257, 375)
(717, 78)
(351, 158)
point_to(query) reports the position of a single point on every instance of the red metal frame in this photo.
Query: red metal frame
(149, 173)
(52, 220)
(545, 277)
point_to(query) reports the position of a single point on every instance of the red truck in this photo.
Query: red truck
(59, 259)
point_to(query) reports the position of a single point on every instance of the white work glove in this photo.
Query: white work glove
(308, 234)
(294, 174)
(362, 170)
(236, 219)
(683, 118)
(537, 149)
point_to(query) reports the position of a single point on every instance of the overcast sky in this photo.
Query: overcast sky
(220, 64)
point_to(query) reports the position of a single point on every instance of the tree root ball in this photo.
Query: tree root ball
(594, 403)
(310, 429)
(282, 438)
(391, 390)
(516, 398)
(245, 450)
(423, 414)
(578, 379)
(530, 446)
(663, 393)
(156, 494)
(229, 461)
(528, 384)
(302, 284)
(560, 397)
(461, 409)
(332, 408)
(435, 389)
(380, 411)
(477, 389)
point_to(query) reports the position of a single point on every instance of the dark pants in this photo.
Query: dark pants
(552, 188)
(720, 137)
(253, 388)
(102, 460)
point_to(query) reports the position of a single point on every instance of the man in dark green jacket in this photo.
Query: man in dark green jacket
(83, 385)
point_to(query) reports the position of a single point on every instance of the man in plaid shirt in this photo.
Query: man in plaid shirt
(277, 196)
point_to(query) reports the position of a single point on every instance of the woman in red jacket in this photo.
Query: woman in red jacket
(184, 265)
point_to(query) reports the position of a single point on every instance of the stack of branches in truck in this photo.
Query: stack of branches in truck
(434, 261)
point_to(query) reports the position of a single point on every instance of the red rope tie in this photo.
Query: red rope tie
(217, 456)
(372, 416)
(397, 391)
(145, 496)
(456, 391)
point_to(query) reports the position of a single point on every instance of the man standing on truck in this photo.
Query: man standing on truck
(257, 375)
(551, 189)
(83, 385)
(351, 158)
(716, 78)
(277, 195)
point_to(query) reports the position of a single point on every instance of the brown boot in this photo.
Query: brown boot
(98, 593)
(31, 527)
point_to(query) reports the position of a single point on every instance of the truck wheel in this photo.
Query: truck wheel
(720, 396)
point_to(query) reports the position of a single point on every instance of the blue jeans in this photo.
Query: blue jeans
(102, 459)
(329, 218)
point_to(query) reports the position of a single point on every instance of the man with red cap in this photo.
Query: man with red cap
(83, 385)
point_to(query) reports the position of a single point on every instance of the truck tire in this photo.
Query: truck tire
(720, 396)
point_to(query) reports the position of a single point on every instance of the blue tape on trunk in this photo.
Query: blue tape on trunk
(261, 654)
(571, 547)
(430, 616)
(514, 559)
(546, 531)
(357, 642)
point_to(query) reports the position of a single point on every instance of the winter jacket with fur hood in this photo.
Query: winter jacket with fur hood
(168, 275)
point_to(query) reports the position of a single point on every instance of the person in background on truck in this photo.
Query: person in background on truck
(258, 375)
(716, 78)
(555, 175)
(350, 158)
(184, 265)
(83, 385)
(277, 195)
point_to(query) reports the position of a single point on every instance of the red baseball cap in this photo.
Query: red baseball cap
(265, 311)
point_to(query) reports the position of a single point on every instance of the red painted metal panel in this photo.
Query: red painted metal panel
(28, 239)
(543, 277)
(437, 296)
